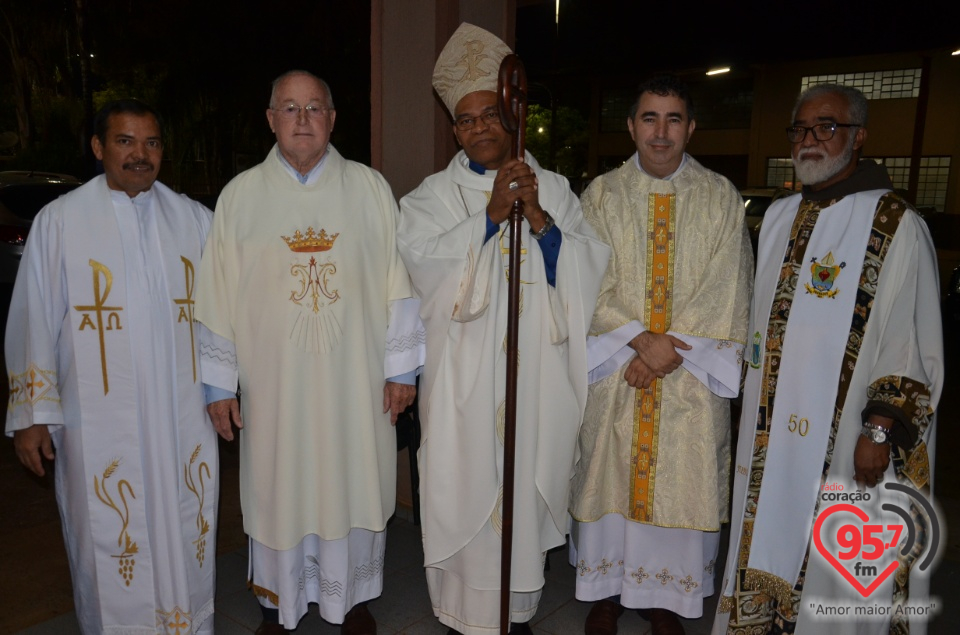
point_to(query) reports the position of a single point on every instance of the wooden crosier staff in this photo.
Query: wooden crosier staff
(512, 90)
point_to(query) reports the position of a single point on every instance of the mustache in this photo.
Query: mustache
(806, 154)
(138, 164)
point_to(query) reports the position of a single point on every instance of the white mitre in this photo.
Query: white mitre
(469, 62)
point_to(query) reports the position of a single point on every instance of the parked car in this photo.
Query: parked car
(22, 195)
(756, 200)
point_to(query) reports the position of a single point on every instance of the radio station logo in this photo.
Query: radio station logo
(866, 550)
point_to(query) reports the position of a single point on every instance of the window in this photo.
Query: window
(932, 184)
(615, 108)
(873, 84)
(931, 187)
(780, 173)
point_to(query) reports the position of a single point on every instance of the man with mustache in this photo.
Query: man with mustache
(843, 376)
(650, 489)
(103, 356)
(454, 239)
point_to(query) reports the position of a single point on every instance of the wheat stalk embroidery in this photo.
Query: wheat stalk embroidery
(129, 548)
(200, 492)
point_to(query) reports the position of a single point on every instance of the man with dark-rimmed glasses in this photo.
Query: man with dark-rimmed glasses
(844, 372)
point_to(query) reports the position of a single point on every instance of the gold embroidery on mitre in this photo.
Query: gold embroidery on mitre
(197, 485)
(31, 386)
(124, 542)
(98, 307)
(186, 309)
(472, 56)
(175, 622)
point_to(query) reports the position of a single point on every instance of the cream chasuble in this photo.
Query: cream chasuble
(681, 263)
(102, 347)
(462, 283)
(300, 278)
(842, 311)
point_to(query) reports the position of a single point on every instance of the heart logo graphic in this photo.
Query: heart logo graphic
(865, 591)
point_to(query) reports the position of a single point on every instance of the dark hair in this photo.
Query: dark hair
(117, 107)
(664, 85)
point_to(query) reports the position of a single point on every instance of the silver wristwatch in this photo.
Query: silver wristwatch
(547, 226)
(877, 434)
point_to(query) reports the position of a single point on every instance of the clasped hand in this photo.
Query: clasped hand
(657, 357)
(502, 198)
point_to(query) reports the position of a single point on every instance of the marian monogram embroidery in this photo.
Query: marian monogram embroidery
(314, 277)
(823, 275)
(98, 308)
(315, 328)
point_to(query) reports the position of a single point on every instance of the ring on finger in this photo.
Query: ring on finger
(513, 186)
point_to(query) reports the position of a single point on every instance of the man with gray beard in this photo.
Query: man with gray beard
(845, 368)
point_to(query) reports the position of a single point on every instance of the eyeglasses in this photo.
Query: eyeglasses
(821, 131)
(292, 111)
(488, 118)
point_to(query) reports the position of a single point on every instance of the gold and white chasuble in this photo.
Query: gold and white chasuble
(844, 313)
(300, 278)
(462, 283)
(681, 264)
(101, 346)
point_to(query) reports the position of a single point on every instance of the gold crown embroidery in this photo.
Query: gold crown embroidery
(311, 241)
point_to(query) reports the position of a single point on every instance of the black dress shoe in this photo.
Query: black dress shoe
(603, 617)
(664, 622)
(358, 621)
(520, 628)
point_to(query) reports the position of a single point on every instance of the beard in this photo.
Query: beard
(814, 166)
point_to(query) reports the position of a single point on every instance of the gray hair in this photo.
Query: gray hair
(276, 83)
(856, 101)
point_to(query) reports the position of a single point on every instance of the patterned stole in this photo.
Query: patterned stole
(779, 607)
(657, 315)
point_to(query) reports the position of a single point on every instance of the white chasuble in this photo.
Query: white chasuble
(461, 280)
(104, 306)
(301, 278)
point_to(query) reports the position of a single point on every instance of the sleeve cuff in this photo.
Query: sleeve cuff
(903, 434)
(213, 393)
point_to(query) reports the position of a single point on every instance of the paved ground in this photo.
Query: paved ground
(36, 596)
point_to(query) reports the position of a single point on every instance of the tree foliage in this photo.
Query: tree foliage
(563, 147)
(206, 67)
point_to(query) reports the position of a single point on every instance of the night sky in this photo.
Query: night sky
(612, 37)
